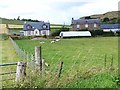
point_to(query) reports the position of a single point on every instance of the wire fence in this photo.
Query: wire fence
(24, 56)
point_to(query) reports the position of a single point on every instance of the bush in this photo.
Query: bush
(57, 32)
(108, 33)
(101, 33)
(22, 37)
(96, 32)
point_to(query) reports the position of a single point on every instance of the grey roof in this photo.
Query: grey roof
(37, 25)
(110, 26)
(89, 21)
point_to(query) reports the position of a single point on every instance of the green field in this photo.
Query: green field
(8, 55)
(84, 61)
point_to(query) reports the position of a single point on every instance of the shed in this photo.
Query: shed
(110, 27)
(75, 34)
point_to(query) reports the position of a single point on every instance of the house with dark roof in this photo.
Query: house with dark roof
(36, 28)
(89, 24)
(110, 27)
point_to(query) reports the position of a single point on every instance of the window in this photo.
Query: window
(45, 26)
(78, 26)
(29, 26)
(86, 25)
(95, 25)
(44, 32)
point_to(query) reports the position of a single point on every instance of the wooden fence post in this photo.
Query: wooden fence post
(32, 58)
(112, 62)
(20, 71)
(60, 69)
(105, 59)
(38, 58)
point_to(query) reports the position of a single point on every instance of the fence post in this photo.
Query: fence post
(38, 58)
(32, 62)
(32, 57)
(112, 62)
(60, 69)
(20, 71)
(105, 59)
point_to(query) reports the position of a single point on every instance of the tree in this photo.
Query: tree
(88, 17)
(106, 19)
(18, 18)
(118, 20)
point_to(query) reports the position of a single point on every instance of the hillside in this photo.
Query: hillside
(108, 17)
(19, 22)
(11, 21)
(17, 25)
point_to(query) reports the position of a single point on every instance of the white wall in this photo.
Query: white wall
(108, 30)
(36, 32)
(45, 32)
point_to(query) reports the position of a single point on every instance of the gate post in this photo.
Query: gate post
(20, 71)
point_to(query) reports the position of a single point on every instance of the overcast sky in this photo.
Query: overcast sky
(55, 11)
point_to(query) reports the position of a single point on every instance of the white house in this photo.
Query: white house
(36, 29)
(75, 34)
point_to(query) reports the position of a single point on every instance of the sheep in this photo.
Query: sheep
(55, 40)
(52, 41)
(42, 42)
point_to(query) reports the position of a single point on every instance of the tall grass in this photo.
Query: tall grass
(8, 55)
(84, 60)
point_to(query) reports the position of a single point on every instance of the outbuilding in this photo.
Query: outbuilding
(110, 27)
(75, 34)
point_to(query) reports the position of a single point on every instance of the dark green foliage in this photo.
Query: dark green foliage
(110, 20)
(18, 18)
(22, 37)
(96, 32)
(15, 28)
(101, 33)
(118, 32)
(88, 17)
(118, 20)
(108, 33)
(106, 19)
(30, 20)
(85, 29)
(57, 32)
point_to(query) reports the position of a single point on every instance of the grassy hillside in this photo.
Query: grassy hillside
(112, 15)
(19, 22)
(10, 21)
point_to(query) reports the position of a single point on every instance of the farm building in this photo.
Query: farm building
(110, 27)
(36, 29)
(75, 34)
(89, 24)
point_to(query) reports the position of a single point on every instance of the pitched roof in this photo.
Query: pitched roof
(89, 21)
(36, 25)
(110, 26)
